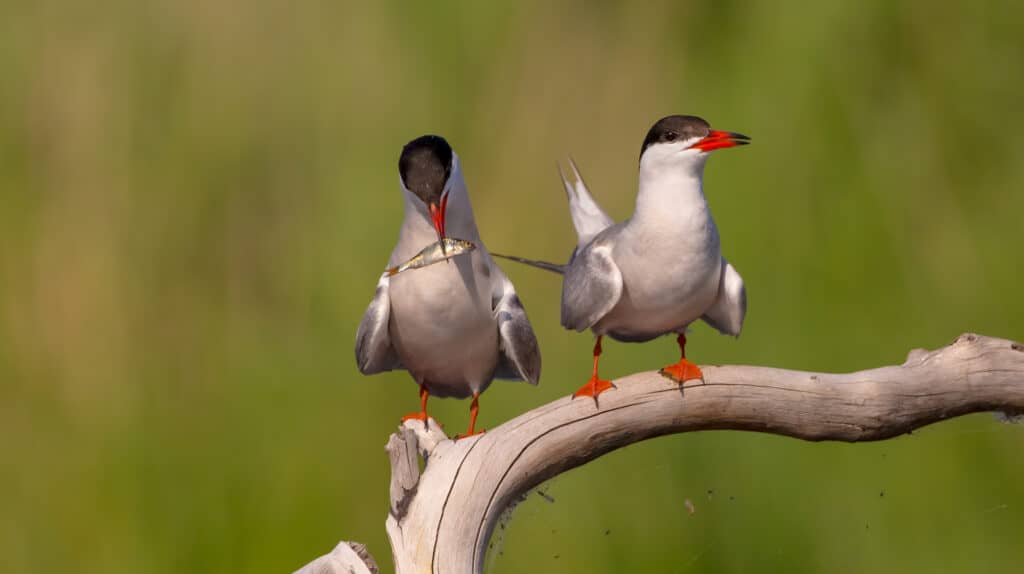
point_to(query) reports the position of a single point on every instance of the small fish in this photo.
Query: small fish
(434, 253)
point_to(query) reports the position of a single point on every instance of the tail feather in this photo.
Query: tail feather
(552, 267)
(587, 216)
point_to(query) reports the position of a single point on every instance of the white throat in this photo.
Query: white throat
(671, 188)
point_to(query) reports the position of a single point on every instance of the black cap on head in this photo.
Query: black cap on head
(675, 128)
(425, 165)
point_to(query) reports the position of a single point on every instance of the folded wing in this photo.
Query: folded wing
(592, 286)
(374, 351)
(518, 352)
(730, 307)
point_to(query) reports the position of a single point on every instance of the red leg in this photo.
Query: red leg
(683, 370)
(595, 386)
(422, 415)
(474, 408)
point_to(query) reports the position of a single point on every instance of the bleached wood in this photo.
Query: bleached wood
(405, 469)
(442, 522)
(346, 558)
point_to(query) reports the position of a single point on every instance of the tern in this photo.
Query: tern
(660, 270)
(453, 327)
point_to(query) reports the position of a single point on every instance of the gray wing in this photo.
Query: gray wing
(591, 287)
(587, 216)
(730, 307)
(374, 352)
(519, 354)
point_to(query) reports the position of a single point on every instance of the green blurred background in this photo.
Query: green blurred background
(196, 199)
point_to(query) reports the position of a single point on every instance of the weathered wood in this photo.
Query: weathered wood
(442, 523)
(405, 469)
(346, 558)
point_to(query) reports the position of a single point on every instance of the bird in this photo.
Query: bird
(660, 270)
(453, 327)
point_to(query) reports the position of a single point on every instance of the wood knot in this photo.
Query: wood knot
(1017, 347)
(362, 552)
(915, 356)
(966, 338)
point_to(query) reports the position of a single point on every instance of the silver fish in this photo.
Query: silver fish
(434, 253)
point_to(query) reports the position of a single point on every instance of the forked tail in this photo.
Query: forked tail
(587, 216)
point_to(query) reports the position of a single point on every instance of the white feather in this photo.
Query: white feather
(587, 216)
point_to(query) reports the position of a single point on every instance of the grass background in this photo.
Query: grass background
(196, 198)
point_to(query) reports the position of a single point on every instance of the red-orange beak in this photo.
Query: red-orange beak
(437, 214)
(720, 140)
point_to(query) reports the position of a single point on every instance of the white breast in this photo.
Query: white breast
(669, 255)
(441, 324)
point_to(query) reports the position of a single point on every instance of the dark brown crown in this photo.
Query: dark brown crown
(425, 165)
(675, 128)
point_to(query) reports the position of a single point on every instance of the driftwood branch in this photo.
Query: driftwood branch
(346, 558)
(441, 520)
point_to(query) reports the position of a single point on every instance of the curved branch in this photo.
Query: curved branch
(442, 520)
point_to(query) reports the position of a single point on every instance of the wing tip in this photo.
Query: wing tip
(574, 324)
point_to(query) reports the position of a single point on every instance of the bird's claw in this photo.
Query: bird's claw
(682, 371)
(469, 434)
(421, 417)
(593, 387)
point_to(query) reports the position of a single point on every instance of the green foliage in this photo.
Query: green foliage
(196, 199)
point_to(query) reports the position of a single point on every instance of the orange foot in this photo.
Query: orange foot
(593, 387)
(469, 434)
(420, 417)
(682, 371)
(415, 417)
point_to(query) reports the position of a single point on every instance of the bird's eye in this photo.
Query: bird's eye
(671, 136)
